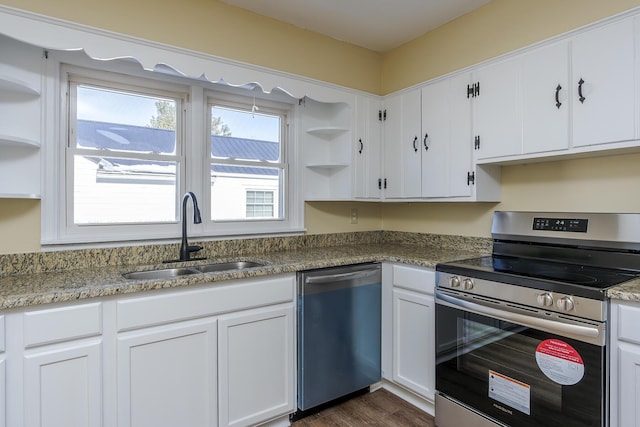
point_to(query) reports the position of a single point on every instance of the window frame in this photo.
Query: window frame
(57, 233)
(244, 103)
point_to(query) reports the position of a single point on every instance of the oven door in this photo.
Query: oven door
(518, 371)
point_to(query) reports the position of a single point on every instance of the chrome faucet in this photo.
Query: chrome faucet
(185, 248)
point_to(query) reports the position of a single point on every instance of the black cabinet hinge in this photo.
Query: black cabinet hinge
(382, 115)
(476, 142)
(379, 183)
(473, 90)
(471, 178)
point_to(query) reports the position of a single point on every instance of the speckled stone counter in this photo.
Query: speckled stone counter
(58, 278)
(629, 291)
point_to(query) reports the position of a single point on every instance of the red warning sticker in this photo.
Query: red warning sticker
(560, 362)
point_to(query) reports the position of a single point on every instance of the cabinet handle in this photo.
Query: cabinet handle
(582, 98)
(558, 103)
(414, 144)
(426, 147)
(361, 146)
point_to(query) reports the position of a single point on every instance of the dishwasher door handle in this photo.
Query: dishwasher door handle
(332, 278)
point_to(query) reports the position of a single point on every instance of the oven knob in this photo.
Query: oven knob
(454, 281)
(545, 299)
(467, 284)
(565, 303)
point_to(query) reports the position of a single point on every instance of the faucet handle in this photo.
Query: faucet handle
(194, 248)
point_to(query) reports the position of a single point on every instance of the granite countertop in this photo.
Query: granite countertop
(30, 289)
(36, 288)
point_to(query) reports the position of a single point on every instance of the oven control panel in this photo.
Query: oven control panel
(534, 298)
(573, 225)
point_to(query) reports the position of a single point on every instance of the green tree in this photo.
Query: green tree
(166, 119)
(166, 116)
(219, 128)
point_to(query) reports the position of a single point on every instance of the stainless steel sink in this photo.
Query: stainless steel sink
(169, 273)
(164, 273)
(224, 266)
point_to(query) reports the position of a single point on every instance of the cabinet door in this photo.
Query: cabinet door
(402, 140)
(412, 144)
(604, 103)
(367, 149)
(446, 138)
(167, 375)
(256, 365)
(545, 99)
(3, 392)
(414, 342)
(497, 110)
(435, 143)
(629, 386)
(63, 385)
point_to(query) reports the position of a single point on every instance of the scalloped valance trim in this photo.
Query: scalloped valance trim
(56, 34)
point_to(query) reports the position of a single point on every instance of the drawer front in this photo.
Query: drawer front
(62, 324)
(414, 278)
(226, 297)
(628, 321)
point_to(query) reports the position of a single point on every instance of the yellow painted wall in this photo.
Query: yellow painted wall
(604, 184)
(216, 28)
(502, 25)
(497, 28)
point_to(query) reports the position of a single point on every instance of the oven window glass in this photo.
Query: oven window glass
(491, 366)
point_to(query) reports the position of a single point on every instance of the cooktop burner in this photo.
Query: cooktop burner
(549, 275)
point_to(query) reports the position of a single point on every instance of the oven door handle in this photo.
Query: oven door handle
(590, 333)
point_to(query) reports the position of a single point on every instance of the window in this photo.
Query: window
(247, 158)
(132, 142)
(124, 153)
(259, 204)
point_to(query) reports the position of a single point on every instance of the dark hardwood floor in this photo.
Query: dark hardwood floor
(380, 408)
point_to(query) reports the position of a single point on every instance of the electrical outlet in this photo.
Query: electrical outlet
(354, 215)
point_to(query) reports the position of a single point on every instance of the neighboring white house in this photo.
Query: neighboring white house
(108, 180)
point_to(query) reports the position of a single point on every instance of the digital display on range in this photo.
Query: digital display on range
(561, 224)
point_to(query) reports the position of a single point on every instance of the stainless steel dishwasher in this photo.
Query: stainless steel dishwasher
(339, 326)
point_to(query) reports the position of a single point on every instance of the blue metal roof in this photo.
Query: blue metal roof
(143, 139)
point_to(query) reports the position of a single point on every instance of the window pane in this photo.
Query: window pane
(230, 198)
(121, 121)
(239, 134)
(113, 190)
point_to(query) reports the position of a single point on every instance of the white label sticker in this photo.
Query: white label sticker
(560, 362)
(509, 391)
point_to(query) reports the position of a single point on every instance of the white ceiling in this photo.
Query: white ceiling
(379, 25)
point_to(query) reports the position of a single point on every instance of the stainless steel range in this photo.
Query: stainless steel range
(521, 335)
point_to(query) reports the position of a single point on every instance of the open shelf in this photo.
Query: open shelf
(326, 166)
(11, 84)
(19, 196)
(327, 131)
(16, 141)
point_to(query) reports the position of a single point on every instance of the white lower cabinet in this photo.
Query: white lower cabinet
(213, 355)
(63, 385)
(413, 341)
(256, 368)
(625, 365)
(409, 329)
(167, 375)
(3, 399)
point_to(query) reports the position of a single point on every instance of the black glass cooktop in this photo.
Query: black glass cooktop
(548, 275)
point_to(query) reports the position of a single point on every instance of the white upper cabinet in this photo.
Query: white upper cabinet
(603, 79)
(446, 138)
(367, 148)
(399, 132)
(497, 112)
(545, 99)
